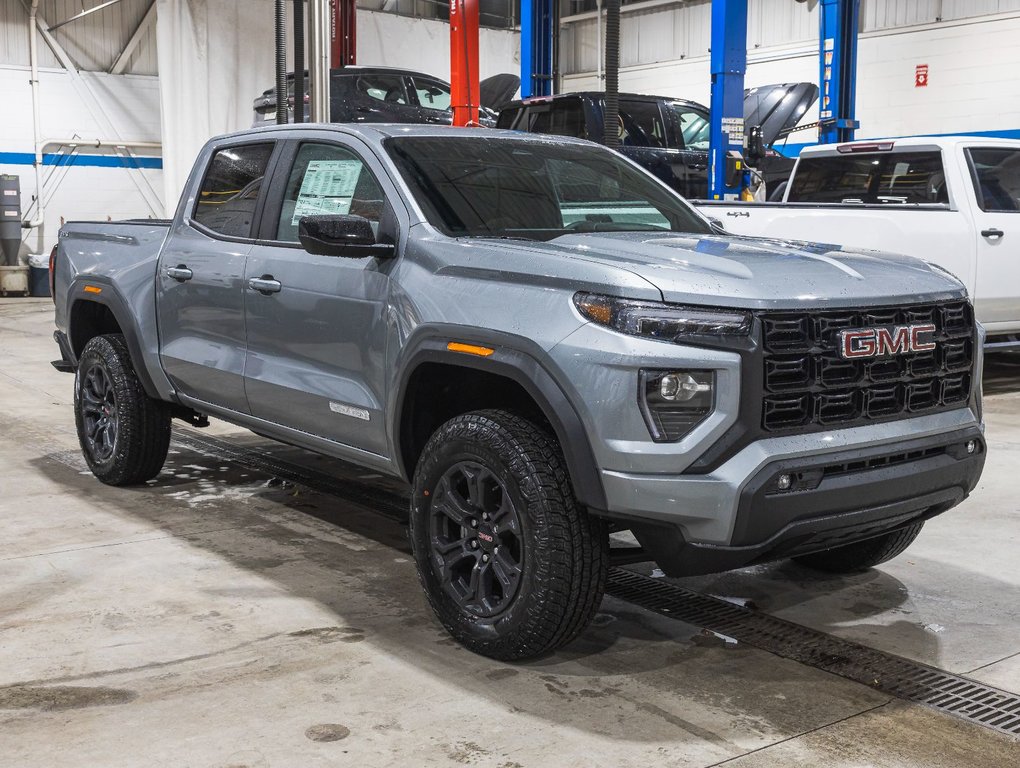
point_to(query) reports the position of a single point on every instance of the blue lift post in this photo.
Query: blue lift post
(729, 61)
(538, 47)
(837, 79)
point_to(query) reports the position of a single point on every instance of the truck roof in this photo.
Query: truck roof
(373, 133)
(943, 142)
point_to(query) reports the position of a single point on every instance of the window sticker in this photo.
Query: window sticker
(327, 187)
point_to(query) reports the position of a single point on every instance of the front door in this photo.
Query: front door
(316, 324)
(199, 283)
(996, 175)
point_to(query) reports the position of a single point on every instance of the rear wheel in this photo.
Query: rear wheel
(863, 554)
(124, 433)
(513, 567)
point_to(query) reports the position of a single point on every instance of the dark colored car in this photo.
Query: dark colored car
(667, 136)
(388, 95)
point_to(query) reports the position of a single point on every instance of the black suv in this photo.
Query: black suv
(388, 95)
(667, 136)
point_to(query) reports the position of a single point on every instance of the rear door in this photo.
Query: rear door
(995, 172)
(316, 342)
(199, 283)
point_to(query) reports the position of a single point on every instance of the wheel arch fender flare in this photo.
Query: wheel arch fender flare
(519, 360)
(109, 297)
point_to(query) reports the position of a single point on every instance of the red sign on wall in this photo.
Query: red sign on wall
(921, 76)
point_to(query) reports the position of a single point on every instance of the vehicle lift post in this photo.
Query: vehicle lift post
(464, 90)
(539, 33)
(726, 119)
(837, 76)
(343, 47)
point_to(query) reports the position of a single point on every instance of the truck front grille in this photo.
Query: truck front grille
(808, 384)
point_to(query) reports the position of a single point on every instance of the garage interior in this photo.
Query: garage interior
(257, 604)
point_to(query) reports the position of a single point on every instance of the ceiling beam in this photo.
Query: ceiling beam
(143, 26)
(84, 13)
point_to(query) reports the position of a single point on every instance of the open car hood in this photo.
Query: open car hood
(777, 108)
(494, 92)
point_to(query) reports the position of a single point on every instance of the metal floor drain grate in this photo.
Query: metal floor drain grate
(903, 678)
(910, 680)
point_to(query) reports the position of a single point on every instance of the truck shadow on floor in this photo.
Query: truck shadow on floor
(356, 563)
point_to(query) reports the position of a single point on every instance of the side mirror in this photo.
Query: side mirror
(341, 235)
(755, 147)
(718, 227)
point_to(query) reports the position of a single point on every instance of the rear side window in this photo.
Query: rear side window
(388, 88)
(562, 118)
(997, 178)
(887, 178)
(328, 179)
(641, 124)
(230, 189)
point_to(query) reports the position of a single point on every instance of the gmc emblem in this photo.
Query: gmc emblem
(890, 340)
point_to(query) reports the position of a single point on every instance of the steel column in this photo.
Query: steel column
(343, 33)
(464, 92)
(729, 61)
(539, 33)
(318, 60)
(837, 76)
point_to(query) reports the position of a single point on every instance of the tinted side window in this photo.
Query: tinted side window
(562, 118)
(226, 201)
(389, 88)
(431, 94)
(890, 178)
(641, 124)
(324, 179)
(997, 178)
(509, 117)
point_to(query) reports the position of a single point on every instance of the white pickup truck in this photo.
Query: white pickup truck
(953, 201)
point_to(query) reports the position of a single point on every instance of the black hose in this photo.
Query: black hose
(299, 61)
(611, 112)
(281, 63)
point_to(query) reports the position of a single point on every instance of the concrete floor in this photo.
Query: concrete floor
(213, 618)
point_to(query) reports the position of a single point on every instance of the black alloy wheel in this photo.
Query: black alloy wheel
(99, 413)
(476, 539)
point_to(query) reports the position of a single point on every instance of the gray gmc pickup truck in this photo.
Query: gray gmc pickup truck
(547, 343)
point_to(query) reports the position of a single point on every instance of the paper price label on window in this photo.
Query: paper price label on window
(327, 187)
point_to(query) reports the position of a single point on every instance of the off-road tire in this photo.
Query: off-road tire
(142, 432)
(564, 550)
(862, 555)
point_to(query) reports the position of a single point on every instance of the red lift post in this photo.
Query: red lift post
(464, 90)
(343, 34)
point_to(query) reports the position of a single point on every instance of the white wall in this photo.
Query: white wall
(972, 63)
(81, 191)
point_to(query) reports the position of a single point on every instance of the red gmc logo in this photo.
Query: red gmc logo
(882, 342)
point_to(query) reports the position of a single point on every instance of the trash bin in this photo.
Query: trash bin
(38, 275)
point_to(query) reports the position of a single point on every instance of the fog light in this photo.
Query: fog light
(674, 402)
(681, 387)
(784, 482)
(971, 446)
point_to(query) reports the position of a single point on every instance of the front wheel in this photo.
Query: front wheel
(862, 555)
(513, 567)
(124, 433)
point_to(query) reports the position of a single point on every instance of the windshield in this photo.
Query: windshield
(504, 187)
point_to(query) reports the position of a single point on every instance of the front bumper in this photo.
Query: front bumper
(848, 485)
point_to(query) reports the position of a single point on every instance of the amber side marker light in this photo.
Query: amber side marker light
(92, 289)
(470, 349)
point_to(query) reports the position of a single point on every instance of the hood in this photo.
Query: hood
(494, 92)
(778, 108)
(754, 273)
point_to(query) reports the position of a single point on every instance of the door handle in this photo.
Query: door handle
(265, 285)
(992, 234)
(180, 273)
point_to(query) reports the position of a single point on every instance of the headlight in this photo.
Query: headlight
(675, 402)
(658, 320)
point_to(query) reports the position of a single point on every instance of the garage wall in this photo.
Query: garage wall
(972, 60)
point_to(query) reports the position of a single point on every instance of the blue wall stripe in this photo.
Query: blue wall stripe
(793, 150)
(94, 161)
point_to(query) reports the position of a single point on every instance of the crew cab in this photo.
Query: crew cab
(953, 201)
(546, 342)
(667, 136)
